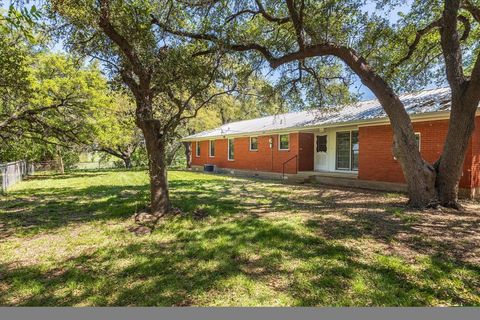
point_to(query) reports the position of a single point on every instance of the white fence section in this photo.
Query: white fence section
(13, 172)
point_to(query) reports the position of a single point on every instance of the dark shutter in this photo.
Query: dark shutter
(321, 143)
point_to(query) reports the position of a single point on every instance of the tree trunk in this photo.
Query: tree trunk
(128, 162)
(419, 175)
(450, 164)
(156, 145)
(61, 167)
(465, 94)
(188, 153)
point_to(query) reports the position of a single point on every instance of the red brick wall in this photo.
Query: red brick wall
(306, 151)
(376, 161)
(375, 158)
(476, 155)
(265, 159)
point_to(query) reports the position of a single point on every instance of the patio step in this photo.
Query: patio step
(353, 182)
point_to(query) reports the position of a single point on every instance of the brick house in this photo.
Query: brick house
(350, 146)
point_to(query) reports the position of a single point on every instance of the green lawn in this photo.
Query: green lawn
(64, 240)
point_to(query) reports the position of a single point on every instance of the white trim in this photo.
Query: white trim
(250, 144)
(197, 149)
(210, 148)
(228, 149)
(284, 134)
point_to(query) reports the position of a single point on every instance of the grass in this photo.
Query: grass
(64, 240)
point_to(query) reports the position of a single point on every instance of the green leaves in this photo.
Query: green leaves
(51, 101)
(114, 124)
(21, 19)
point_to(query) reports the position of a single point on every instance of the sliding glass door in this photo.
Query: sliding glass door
(347, 151)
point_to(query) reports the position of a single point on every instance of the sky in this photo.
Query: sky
(357, 86)
(393, 16)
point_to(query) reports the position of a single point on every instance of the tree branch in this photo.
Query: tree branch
(470, 7)
(413, 46)
(23, 115)
(260, 11)
(297, 21)
(213, 38)
(450, 42)
(126, 48)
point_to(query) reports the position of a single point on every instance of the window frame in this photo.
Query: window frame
(197, 149)
(350, 151)
(228, 149)
(210, 148)
(280, 142)
(250, 143)
(419, 134)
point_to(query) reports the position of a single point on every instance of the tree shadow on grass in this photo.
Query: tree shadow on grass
(65, 176)
(360, 214)
(49, 209)
(52, 208)
(203, 264)
(454, 234)
(235, 250)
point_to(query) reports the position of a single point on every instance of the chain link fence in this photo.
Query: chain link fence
(13, 172)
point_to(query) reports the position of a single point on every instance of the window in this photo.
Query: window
(347, 151)
(212, 148)
(321, 143)
(231, 154)
(355, 149)
(253, 143)
(197, 149)
(284, 142)
(418, 139)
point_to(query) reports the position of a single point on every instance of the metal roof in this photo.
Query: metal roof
(422, 102)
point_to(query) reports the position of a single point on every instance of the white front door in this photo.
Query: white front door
(321, 163)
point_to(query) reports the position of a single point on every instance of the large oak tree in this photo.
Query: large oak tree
(309, 34)
(168, 83)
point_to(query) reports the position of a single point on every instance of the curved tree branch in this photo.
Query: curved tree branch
(126, 48)
(260, 11)
(413, 46)
(470, 7)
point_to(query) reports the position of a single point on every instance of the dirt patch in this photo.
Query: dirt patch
(346, 214)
